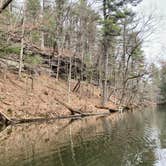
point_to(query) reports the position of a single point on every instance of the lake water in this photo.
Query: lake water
(129, 139)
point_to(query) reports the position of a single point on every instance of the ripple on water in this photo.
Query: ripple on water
(136, 139)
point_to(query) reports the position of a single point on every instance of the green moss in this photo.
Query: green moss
(35, 36)
(9, 50)
(33, 60)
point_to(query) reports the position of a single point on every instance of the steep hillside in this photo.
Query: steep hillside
(20, 100)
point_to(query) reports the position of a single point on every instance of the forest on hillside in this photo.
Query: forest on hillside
(98, 42)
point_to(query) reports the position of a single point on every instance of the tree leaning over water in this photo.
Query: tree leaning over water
(114, 13)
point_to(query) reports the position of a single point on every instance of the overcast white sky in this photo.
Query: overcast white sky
(156, 47)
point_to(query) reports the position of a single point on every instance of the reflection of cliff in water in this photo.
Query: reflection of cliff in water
(92, 141)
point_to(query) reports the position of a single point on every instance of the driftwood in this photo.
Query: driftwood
(123, 109)
(77, 86)
(4, 120)
(72, 110)
(102, 107)
(107, 108)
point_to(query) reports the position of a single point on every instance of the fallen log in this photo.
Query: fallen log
(72, 110)
(77, 86)
(102, 107)
(107, 108)
(7, 121)
(4, 119)
(121, 109)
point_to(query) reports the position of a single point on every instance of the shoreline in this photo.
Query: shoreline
(45, 98)
(22, 100)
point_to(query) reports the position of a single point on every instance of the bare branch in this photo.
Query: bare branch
(5, 5)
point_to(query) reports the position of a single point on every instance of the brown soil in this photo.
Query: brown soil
(19, 100)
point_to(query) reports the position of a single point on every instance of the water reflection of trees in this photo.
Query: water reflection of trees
(120, 144)
(96, 141)
(161, 117)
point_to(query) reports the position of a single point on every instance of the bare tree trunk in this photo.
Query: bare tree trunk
(1, 3)
(82, 65)
(21, 54)
(4, 5)
(42, 33)
(123, 63)
(58, 67)
(105, 55)
(22, 41)
(5, 71)
(69, 79)
(105, 92)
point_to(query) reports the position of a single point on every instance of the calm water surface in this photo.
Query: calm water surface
(128, 140)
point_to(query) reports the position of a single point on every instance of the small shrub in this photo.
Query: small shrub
(33, 60)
